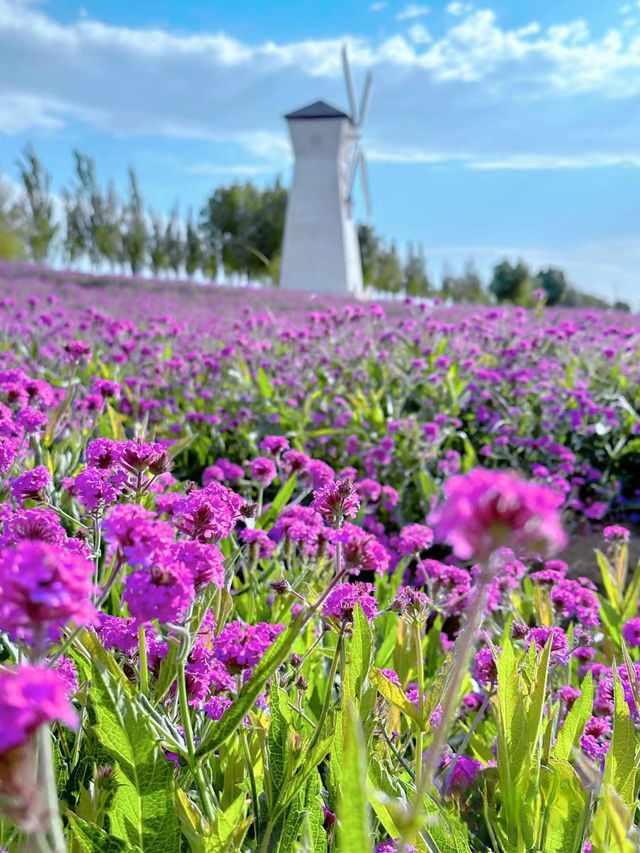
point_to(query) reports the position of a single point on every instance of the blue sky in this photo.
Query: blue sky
(499, 128)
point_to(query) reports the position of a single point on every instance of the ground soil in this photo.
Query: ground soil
(580, 554)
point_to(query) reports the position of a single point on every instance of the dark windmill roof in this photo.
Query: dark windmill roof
(318, 109)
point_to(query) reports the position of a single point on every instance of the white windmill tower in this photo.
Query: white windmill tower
(321, 253)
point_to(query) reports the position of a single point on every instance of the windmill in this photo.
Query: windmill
(321, 251)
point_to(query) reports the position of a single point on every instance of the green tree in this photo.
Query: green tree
(415, 279)
(467, 287)
(11, 239)
(174, 245)
(389, 275)
(369, 253)
(38, 213)
(193, 255)
(108, 219)
(135, 234)
(157, 246)
(511, 283)
(243, 227)
(553, 282)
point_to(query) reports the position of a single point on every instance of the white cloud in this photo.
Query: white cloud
(419, 34)
(479, 88)
(378, 6)
(588, 160)
(456, 8)
(412, 11)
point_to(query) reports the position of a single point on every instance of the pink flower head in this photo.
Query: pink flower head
(616, 534)
(241, 646)
(413, 538)
(342, 600)
(204, 562)
(275, 444)
(39, 524)
(361, 551)
(485, 510)
(139, 456)
(136, 532)
(336, 501)
(30, 697)
(163, 592)
(464, 774)
(262, 470)
(31, 484)
(484, 667)
(103, 452)
(77, 350)
(43, 588)
(631, 632)
(209, 514)
(258, 540)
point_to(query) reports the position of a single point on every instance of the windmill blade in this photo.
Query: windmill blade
(352, 168)
(351, 92)
(364, 178)
(366, 98)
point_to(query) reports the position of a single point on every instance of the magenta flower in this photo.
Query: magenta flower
(204, 562)
(616, 534)
(30, 697)
(336, 501)
(484, 670)
(43, 588)
(413, 538)
(342, 600)
(631, 632)
(485, 510)
(163, 592)
(208, 514)
(262, 470)
(275, 444)
(241, 646)
(464, 774)
(31, 484)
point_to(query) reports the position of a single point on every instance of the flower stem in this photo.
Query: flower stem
(417, 637)
(327, 697)
(205, 800)
(144, 663)
(48, 781)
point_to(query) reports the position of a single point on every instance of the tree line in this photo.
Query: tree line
(238, 232)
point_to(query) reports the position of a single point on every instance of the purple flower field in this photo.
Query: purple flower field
(290, 574)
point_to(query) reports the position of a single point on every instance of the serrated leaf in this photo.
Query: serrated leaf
(620, 767)
(359, 655)
(353, 817)
(142, 811)
(94, 839)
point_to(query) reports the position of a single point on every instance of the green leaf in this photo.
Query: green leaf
(142, 811)
(395, 695)
(353, 817)
(93, 839)
(265, 386)
(614, 594)
(566, 815)
(620, 767)
(359, 656)
(282, 497)
(246, 698)
(573, 726)
(277, 737)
